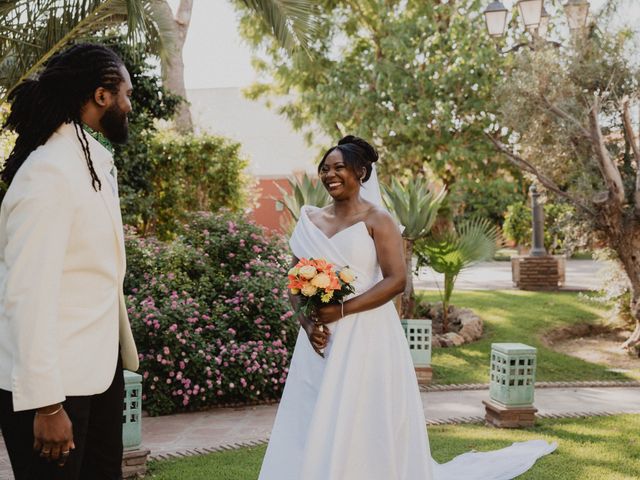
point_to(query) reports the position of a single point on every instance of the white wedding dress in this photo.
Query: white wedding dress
(357, 413)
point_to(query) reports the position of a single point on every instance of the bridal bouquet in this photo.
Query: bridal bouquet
(318, 283)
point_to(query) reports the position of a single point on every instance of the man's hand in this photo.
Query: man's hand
(53, 434)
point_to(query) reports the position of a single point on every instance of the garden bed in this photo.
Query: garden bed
(597, 343)
(464, 325)
(518, 316)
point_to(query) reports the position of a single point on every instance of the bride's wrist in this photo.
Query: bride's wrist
(346, 308)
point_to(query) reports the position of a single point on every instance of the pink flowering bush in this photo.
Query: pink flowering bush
(210, 314)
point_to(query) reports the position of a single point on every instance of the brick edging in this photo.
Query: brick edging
(576, 384)
(556, 416)
(204, 451)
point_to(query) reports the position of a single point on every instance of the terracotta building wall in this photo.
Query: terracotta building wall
(267, 214)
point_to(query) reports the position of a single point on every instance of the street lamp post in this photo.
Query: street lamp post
(531, 11)
(534, 16)
(537, 244)
(577, 12)
(496, 18)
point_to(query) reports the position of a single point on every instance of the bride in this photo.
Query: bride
(351, 407)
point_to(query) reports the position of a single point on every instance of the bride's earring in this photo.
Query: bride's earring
(362, 180)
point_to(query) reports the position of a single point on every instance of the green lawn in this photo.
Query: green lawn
(604, 448)
(519, 316)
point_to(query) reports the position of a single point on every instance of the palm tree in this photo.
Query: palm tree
(415, 206)
(470, 242)
(31, 31)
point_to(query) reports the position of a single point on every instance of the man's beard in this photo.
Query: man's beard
(115, 125)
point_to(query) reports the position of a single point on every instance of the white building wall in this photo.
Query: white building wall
(268, 140)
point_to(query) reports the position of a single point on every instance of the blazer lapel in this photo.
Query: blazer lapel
(102, 162)
(113, 207)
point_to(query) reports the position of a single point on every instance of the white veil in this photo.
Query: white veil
(370, 190)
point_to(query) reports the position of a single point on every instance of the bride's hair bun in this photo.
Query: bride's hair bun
(357, 153)
(369, 152)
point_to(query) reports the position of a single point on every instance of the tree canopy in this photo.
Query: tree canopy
(568, 111)
(414, 77)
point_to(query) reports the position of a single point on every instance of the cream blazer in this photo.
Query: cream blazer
(62, 266)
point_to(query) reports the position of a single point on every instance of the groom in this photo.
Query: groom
(64, 332)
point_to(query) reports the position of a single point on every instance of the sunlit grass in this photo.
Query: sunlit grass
(519, 316)
(603, 448)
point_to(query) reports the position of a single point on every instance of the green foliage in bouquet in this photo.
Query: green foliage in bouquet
(317, 282)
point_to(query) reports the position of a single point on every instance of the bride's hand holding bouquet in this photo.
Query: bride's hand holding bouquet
(320, 289)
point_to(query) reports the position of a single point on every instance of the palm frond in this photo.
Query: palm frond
(293, 22)
(472, 241)
(478, 240)
(31, 31)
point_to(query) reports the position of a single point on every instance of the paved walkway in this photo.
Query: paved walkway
(580, 275)
(189, 433)
(228, 427)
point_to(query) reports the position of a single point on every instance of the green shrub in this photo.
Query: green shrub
(151, 103)
(561, 232)
(485, 197)
(187, 173)
(210, 309)
(517, 224)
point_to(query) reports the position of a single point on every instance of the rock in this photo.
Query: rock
(464, 325)
(454, 339)
(471, 328)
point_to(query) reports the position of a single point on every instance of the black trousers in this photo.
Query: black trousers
(97, 434)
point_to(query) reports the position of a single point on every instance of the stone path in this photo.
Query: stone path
(193, 433)
(226, 427)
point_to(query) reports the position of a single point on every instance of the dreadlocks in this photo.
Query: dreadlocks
(40, 106)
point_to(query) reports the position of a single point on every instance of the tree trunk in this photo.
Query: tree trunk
(628, 249)
(173, 69)
(408, 300)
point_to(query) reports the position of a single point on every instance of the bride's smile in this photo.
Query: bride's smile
(340, 181)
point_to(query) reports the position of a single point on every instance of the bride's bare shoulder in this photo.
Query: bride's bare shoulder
(380, 218)
(315, 213)
(378, 213)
